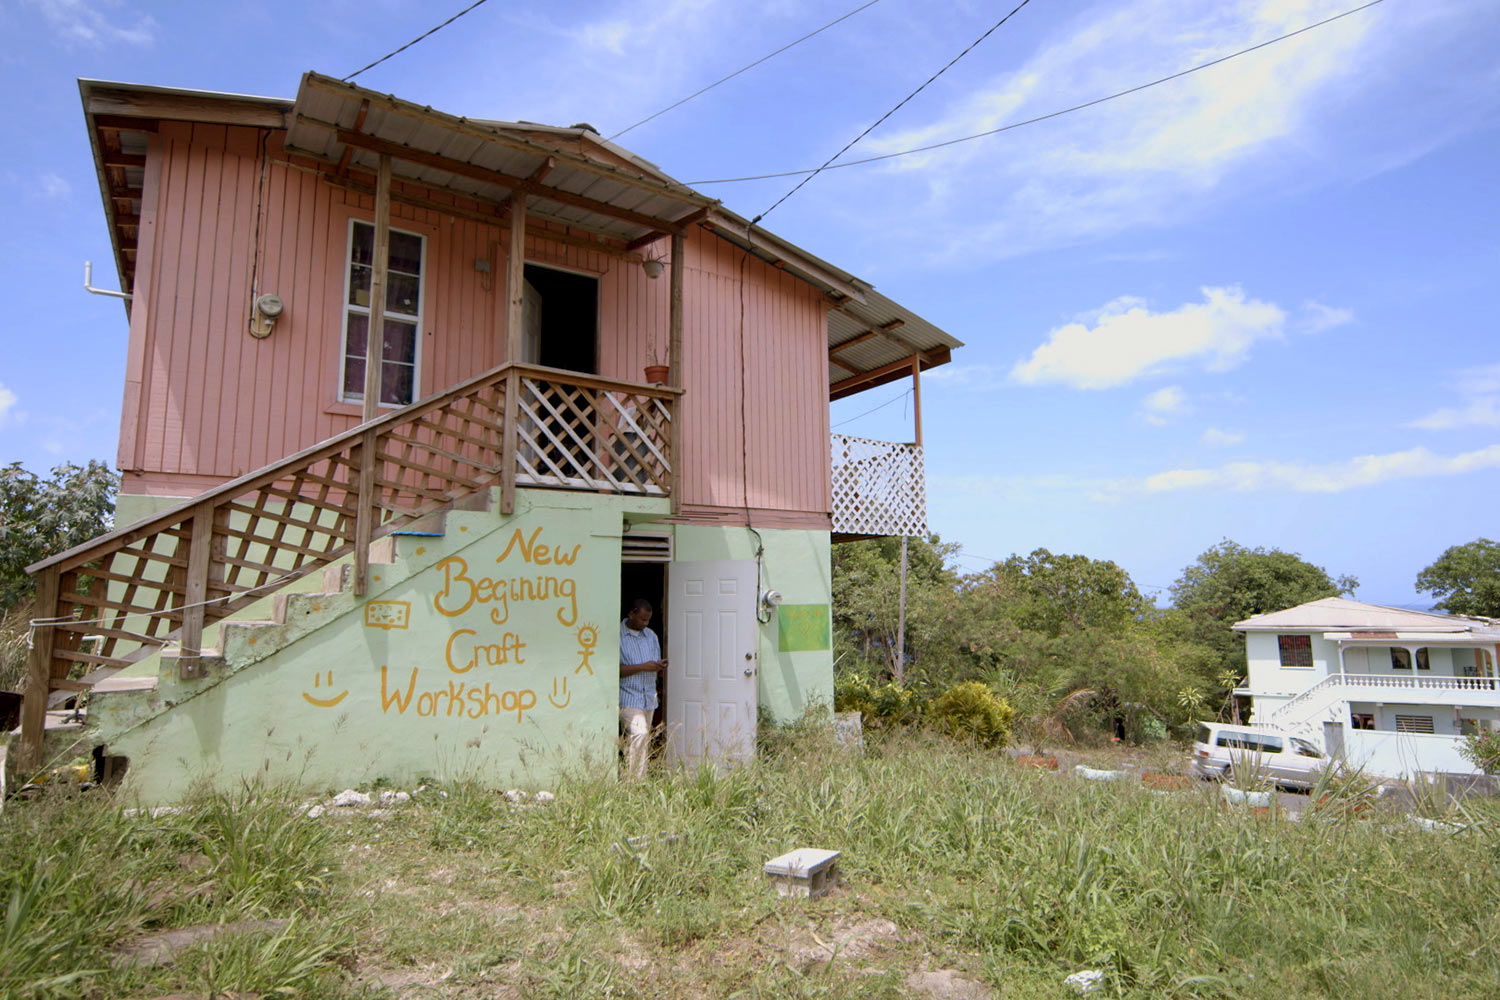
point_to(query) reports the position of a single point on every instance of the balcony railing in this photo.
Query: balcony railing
(121, 597)
(878, 488)
(1349, 687)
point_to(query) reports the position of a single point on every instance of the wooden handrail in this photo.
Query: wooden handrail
(167, 577)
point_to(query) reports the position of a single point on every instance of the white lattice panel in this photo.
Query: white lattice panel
(878, 488)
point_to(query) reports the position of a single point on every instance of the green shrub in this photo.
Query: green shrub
(1483, 750)
(972, 711)
(879, 703)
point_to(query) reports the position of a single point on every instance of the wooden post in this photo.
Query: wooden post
(364, 511)
(515, 281)
(508, 442)
(916, 397)
(39, 674)
(379, 266)
(676, 373)
(899, 673)
(195, 591)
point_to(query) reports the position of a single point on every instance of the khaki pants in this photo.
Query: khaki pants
(637, 723)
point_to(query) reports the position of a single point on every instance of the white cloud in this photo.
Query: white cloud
(1479, 403)
(1316, 317)
(8, 400)
(54, 186)
(88, 22)
(1303, 477)
(1164, 404)
(1127, 341)
(1222, 439)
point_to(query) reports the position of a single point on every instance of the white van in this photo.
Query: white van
(1287, 759)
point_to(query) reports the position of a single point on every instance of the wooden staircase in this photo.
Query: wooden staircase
(156, 584)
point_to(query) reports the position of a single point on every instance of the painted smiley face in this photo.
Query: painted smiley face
(318, 681)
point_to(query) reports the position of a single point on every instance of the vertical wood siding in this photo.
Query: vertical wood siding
(206, 402)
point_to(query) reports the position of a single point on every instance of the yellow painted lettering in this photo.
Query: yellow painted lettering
(448, 652)
(389, 698)
(455, 573)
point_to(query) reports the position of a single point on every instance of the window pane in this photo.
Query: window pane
(359, 285)
(1400, 659)
(355, 334)
(1296, 650)
(399, 343)
(406, 253)
(362, 248)
(354, 376)
(395, 383)
(401, 293)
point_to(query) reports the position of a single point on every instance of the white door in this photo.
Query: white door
(712, 661)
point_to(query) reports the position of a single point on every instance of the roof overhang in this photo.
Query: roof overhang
(590, 191)
(1351, 638)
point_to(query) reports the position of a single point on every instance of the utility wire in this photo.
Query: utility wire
(742, 69)
(883, 117)
(888, 402)
(414, 41)
(1042, 118)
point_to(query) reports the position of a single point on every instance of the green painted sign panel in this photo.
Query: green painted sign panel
(803, 627)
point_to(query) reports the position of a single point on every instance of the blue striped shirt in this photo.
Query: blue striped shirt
(638, 690)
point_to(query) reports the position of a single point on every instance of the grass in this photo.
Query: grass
(953, 859)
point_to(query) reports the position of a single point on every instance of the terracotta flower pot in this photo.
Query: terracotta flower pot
(1164, 782)
(1037, 760)
(657, 374)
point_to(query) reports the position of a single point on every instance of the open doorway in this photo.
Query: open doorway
(649, 580)
(561, 319)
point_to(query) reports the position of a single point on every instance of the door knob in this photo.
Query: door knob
(749, 671)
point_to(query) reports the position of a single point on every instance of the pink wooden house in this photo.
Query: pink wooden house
(593, 383)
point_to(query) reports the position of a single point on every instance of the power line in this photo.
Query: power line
(742, 69)
(798, 186)
(430, 31)
(1042, 118)
(888, 402)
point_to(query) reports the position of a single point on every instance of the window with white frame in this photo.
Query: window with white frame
(400, 340)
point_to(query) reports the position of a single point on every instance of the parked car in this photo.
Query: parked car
(1285, 759)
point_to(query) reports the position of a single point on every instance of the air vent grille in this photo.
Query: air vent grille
(642, 546)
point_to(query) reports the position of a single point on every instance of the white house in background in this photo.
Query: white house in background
(1390, 689)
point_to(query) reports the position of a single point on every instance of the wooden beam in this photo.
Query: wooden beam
(540, 173)
(120, 123)
(843, 364)
(116, 159)
(195, 592)
(489, 212)
(359, 126)
(888, 373)
(515, 284)
(214, 110)
(641, 242)
(498, 135)
(486, 175)
(916, 399)
(379, 265)
(127, 194)
(39, 672)
(675, 366)
(858, 338)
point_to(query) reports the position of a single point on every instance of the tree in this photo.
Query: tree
(1230, 582)
(1467, 578)
(40, 517)
(1057, 592)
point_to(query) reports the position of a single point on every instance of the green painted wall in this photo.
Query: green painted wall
(491, 651)
(799, 565)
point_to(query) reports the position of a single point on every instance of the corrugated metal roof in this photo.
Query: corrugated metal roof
(1333, 613)
(593, 185)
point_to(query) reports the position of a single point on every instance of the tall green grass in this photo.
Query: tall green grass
(1013, 876)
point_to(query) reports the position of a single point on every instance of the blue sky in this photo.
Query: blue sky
(1256, 303)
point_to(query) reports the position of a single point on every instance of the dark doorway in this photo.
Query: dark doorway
(567, 317)
(649, 580)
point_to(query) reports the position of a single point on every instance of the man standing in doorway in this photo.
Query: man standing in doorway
(640, 662)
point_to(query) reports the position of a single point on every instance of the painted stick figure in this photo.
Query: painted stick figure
(588, 638)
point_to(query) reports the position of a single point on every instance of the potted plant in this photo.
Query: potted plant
(656, 372)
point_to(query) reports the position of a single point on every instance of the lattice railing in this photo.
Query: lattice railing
(878, 488)
(120, 597)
